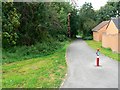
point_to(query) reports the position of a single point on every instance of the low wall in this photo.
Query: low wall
(111, 41)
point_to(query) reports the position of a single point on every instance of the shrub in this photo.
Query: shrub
(61, 38)
(88, 38)
(19, 53)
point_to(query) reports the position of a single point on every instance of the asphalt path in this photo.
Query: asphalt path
(82, 69)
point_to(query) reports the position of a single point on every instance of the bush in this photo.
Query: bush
(88, 38)
(19, 53)
(61, 38)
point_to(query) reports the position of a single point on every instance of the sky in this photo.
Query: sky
(95, 3)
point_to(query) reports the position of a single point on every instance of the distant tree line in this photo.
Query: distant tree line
(28, 23)
(89, 17)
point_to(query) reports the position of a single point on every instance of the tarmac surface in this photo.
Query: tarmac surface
(82, 69)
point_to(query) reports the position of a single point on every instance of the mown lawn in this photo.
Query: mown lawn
(106, 51)
(43, 72)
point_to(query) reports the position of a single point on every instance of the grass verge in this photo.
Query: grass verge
(42, 72)
(106, 51)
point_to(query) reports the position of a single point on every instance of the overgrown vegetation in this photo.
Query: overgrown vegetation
(33, 29)
(37, 33)
(87, 20)
(30, 23)
(43, 72)
(33, 51)
(106, 51)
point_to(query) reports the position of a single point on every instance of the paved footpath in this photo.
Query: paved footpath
(82, 72)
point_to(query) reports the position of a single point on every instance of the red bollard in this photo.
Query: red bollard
(97, 60)
(97, 53)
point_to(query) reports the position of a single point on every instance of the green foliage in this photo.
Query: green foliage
(90, 18)
(33, 29)
(88, 25)
(88, 38)
(87, 20)
(111, 9)
(40, 49)
(42, 72)
(29, 23)
(74, 23)
(62, 38)
(10, 25)
(87, 11)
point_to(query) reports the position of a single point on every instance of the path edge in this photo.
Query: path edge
(65, 77)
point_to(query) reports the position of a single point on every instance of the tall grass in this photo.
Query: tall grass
(42, 72)
(20, 53)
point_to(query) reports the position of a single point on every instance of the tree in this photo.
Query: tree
(29, 22)
(74, 22)
(111, 9)
(87, 19)
(10, 25)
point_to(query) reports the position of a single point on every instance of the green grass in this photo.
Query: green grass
(43, 72)
(106, 51)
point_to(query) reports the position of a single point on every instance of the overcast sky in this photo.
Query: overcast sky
(95, 3)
